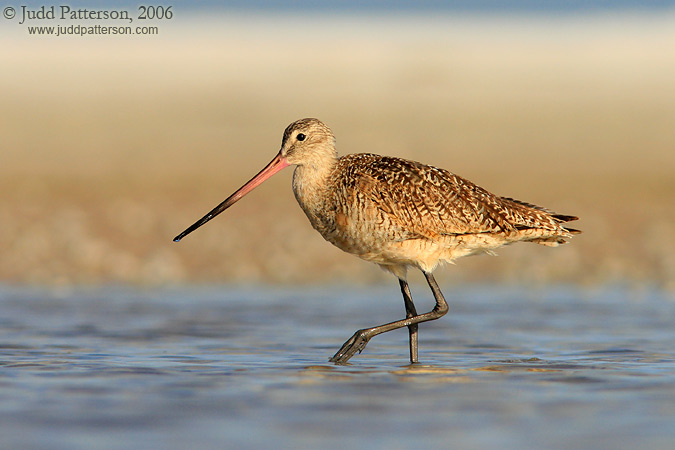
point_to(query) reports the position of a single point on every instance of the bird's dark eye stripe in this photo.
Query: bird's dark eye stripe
(300, 137)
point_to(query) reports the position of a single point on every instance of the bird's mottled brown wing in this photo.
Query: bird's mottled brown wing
(425, 201)
(527, 215)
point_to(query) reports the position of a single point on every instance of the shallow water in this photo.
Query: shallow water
(247, 368)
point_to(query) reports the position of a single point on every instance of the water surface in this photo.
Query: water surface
(247, 368)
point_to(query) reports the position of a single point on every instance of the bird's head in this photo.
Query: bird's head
(308, 142)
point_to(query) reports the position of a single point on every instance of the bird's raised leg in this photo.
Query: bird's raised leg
(410, 311)
(359, 340)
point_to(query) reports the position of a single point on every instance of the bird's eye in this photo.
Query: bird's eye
(300, 137)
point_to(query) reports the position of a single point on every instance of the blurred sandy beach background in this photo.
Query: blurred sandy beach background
(110, 146)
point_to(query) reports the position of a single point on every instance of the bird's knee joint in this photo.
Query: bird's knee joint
(364, 333)
(441, 309)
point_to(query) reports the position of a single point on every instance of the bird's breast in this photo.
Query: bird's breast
(343, 210)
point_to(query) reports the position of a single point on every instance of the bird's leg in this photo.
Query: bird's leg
(359, 340)
(410, 311)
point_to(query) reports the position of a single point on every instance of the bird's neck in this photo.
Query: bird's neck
(310, 183)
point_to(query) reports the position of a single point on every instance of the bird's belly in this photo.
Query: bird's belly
(426, 253)
(370, 236)
(378, 245)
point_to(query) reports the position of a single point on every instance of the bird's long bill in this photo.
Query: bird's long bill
(278, 163)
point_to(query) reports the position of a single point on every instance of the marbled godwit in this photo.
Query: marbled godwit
(397, 214)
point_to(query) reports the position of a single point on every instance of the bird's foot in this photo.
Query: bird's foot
(354, 344)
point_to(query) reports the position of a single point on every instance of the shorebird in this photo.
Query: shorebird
(397, 214)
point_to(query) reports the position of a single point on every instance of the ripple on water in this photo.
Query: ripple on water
(114, 368)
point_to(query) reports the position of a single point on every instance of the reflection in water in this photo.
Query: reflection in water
(111, 368)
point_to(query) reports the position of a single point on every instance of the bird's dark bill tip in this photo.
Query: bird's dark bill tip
(177, 238)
